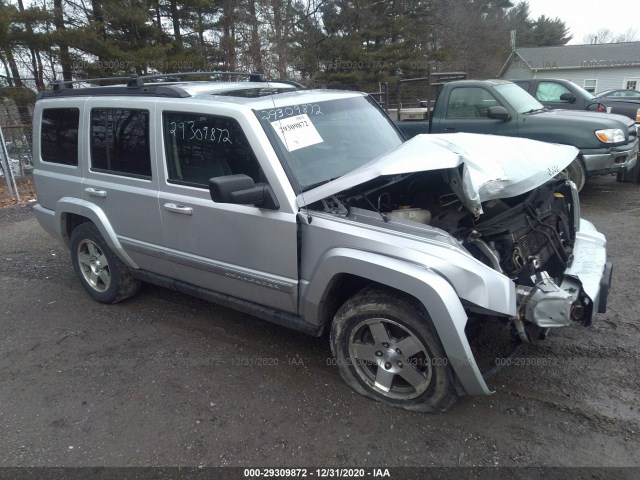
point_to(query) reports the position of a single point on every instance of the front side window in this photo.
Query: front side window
(120, 142)
(59, 135)
(199, 147)
(550, 91)
(470, 102)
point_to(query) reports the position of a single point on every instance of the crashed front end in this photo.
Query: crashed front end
(507, 203)
(557, 260)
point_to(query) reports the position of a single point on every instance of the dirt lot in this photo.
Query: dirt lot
(164, 379)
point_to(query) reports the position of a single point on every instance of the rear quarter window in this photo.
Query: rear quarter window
(59, 135)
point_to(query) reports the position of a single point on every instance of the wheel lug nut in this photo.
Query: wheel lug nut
(387, 365)
(378, 353)
(398, 351)
(385, 345)
(400, 364)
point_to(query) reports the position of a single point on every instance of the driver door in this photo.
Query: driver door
(467, 110)
(240, 250)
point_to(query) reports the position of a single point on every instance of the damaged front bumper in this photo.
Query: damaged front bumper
(582, 292)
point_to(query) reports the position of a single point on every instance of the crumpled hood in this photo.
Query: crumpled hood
(494, 166)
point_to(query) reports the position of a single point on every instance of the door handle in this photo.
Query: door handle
(172, 207)
(449, 130)
(95, 192)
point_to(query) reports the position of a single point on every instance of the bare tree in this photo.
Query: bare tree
(604, 35)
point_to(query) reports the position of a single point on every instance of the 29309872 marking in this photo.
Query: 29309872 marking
(316, 472)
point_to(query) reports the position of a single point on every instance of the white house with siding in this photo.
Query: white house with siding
(596, 67)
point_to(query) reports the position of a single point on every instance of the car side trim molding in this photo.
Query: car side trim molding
(269, 314)
(211, 266)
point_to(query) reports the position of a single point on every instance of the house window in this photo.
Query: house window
(590, 85)
(632, 85)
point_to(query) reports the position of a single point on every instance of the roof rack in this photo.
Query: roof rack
(135, 81)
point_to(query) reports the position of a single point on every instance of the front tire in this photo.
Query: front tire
(386, 349)
(576, 172)
(102, 274)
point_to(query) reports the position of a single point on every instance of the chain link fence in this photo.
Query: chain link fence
(16, 162)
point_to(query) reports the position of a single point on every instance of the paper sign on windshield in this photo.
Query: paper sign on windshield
(297, 132)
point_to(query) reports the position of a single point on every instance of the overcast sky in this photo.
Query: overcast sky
(587, 17)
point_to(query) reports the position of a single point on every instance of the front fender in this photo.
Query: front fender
(94, 213)
(436, 295)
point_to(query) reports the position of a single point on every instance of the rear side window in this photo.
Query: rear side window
(199, 147)
(120, 142)
(59, 135)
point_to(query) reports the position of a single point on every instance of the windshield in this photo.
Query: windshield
(582, 92)
(520, 100)
(322, 141)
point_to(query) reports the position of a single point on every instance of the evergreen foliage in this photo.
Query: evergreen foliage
(317, 42)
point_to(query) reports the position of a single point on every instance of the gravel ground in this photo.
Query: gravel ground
(168, 380)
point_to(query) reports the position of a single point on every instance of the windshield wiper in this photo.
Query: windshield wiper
(314, 185)
(536, 110)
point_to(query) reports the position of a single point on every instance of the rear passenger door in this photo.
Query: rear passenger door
(239, 250)
(58, 172)
(122, 179)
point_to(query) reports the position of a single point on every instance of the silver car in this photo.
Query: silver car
(308, 209)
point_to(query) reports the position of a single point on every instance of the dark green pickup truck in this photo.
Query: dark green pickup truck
(608, 143)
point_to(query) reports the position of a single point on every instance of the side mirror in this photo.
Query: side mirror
(568, 97)
(498, 112)
(241, 190)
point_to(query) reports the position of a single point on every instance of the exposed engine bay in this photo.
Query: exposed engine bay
(529, 237)
(517, 236)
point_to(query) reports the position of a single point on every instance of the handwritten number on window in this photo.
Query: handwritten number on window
(204, 133)
(278, 113)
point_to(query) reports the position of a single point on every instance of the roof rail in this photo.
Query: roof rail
(292, 83)
(58, 85)
(135, 81)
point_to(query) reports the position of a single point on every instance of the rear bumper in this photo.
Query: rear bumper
(610, 160)
(582, 292)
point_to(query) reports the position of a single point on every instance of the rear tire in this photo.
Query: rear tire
(102, 274)
(386, 349)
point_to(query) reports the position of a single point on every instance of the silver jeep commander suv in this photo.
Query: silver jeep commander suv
(308, 208)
